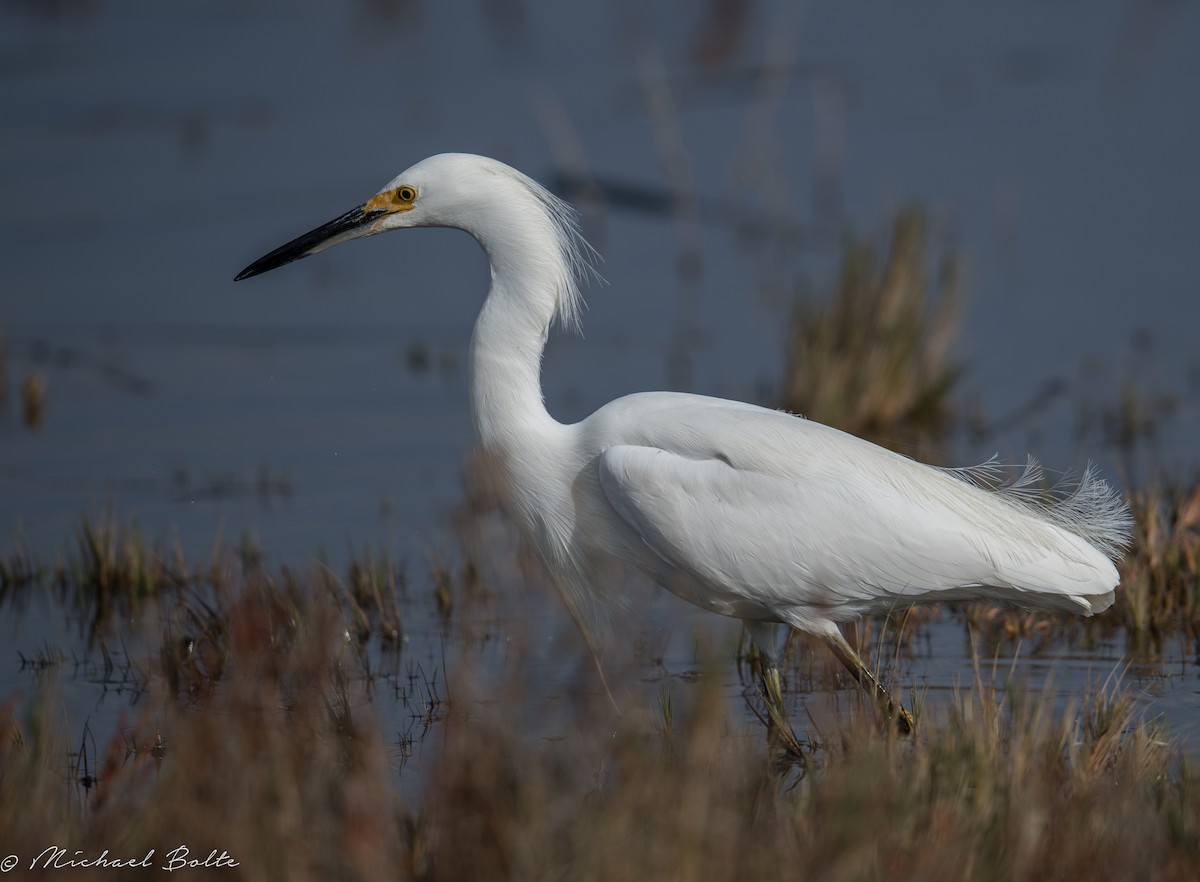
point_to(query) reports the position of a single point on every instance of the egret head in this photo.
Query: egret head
(506, 211)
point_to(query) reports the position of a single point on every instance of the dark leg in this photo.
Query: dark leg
(847, 656)
(763, 635)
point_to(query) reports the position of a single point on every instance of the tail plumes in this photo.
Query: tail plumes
(1088, 507)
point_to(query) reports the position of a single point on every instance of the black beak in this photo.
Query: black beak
(351, 225)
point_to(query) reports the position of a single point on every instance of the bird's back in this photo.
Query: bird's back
(778, 511)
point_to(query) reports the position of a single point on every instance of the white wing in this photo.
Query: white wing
(857, 529)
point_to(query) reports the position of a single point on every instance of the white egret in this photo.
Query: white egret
(744, 511)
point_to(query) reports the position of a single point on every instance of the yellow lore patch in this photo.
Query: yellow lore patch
(399, 199)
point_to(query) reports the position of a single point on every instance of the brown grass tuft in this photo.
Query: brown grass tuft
(873, 359)
(1160, 576)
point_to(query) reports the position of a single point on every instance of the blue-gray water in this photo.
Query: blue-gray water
(152, 150)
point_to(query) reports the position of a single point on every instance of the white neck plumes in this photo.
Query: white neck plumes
(538, 258)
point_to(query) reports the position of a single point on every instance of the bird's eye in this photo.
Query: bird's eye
(406, 194)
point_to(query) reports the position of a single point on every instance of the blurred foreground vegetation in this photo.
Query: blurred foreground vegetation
(256, 733)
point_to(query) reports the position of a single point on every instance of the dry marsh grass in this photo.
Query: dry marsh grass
(283, 765)
(873, 357)
(258, 734)
(1160, 577)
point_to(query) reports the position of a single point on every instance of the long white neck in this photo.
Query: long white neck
(510, 334)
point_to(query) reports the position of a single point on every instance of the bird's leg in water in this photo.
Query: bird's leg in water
(764, 637)
(847, 656)
(777, 716)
